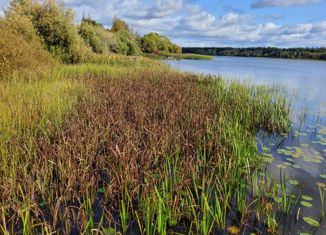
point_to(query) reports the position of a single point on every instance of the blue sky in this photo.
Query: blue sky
(238, 23)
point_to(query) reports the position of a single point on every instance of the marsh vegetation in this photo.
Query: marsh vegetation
(96, 142)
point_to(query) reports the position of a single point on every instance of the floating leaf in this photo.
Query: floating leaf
(296, 166)
(311, 221)
(306, 204)
(289, 159)
(316, 161)
(268, 159)
(281, 166)
(305, 233)
(323, 176)
(307, 198)
(233, 230)
(307, 159)
(320, 184)
(267, 155)
(266, 149)
(293, 182)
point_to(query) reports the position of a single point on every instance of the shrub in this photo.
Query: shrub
(54, 25)
(127, 44)
(155, 43)
(17, 55)
(97, 37)
(119, 25)
(90, 33)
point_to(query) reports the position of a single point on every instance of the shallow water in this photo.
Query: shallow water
(303, 151)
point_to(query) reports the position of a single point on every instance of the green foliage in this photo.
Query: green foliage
(127, 44)
(155, 43)
(20, 54)
(118, 40)
(54, 25)
(19, 21)
(119, 25)
(91, 34)
(289, 53)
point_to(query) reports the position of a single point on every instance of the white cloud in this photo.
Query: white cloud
(189, 25)
(280, 3)
(3, 5)
(164, 8)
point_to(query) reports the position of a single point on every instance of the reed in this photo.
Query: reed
(142, 147)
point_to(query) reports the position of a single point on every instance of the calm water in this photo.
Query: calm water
(303, 151)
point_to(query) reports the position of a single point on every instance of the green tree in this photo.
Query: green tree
(119, 25)
(90, 31)
(54, 25)
(149, 43)
(155, 43)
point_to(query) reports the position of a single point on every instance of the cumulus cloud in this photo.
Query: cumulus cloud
(3, 5)
(189, 24)
(280, 3)
(164, 8)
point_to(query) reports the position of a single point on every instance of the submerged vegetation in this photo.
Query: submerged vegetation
(116, 144)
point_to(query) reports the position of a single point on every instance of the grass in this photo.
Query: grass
(181, 56)
(186, 56)
(128, 144)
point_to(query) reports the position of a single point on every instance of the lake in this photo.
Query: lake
(301, 153)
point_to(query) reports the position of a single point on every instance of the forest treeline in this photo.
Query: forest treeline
(36, 34)
(272, 52)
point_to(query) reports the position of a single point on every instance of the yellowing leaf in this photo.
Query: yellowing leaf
(319, 184)
(233, 230)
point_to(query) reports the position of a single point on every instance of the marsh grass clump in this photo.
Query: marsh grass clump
(143, 149)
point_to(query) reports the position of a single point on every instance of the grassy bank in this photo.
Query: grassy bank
(185, 56)
(127, 145)
(180, 56)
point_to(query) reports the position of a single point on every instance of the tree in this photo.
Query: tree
(119, 25)
(149, 43)
(54, 26)
(155, 43)
(89, 31)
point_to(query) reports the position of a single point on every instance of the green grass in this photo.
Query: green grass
(180, 56)
(128, 144)
(186, 56)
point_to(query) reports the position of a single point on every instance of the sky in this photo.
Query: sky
(237, 23)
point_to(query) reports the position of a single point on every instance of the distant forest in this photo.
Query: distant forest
(290, 53)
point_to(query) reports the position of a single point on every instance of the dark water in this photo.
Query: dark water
(302, 153)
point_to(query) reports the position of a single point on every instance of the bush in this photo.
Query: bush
(97, 37)
(155, 43)
(127, 44)
(54, 25)
(119, 25)
(17, 55)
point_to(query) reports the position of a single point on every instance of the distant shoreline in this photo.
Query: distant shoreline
(261, 52)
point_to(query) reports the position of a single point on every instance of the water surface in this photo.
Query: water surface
(303, 151)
